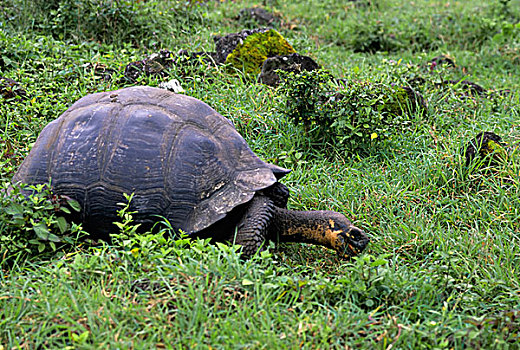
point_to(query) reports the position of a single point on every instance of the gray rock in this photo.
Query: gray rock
(289, 63)
(10, 89)
(258, 15)
(157, 64)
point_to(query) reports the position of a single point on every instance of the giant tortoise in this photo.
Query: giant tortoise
(183, 161)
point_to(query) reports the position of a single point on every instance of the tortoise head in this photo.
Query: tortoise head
(322, 227)
(347, 239)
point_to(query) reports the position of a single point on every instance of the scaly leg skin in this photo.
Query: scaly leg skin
(253, 227)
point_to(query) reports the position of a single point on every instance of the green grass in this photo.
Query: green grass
(441, 270)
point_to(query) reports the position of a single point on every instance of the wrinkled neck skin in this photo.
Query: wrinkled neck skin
(326, 228)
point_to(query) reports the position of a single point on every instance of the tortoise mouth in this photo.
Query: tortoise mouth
(356, 242)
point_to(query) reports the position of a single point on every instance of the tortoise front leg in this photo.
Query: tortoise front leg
(253, 227)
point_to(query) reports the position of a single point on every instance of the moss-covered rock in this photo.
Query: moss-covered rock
(401, 100)
(486, 147)
(249, 55)
(225, 45)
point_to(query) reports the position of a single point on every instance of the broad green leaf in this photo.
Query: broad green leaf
(74, 205)
(53, 238)
(378, 262)
(14, 209)
(41, 230)
(62, 224)
(65, 210)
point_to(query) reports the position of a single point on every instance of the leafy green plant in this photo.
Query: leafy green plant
(140, 247)
(373, 35)
(351, 114)
(34, 221)
(145, 247)
(507, 33)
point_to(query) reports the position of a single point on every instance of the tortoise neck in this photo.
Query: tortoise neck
(303, 226)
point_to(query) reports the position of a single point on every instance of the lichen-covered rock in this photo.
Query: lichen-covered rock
(289, 63)
(486, 145)
(249, 55)
(224, 45)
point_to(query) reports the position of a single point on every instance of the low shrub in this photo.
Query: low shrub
(351, 114)
(373, 36)
(35, 224)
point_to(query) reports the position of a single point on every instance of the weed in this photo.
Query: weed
(34, 222)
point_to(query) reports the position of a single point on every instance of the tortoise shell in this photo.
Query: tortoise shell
(180, 158)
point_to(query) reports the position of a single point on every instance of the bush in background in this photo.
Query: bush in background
(105, 21)
(351, 114)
